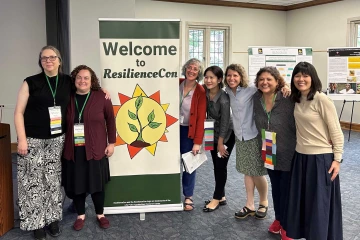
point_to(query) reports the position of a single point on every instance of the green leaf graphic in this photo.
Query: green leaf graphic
(138, 102)
(132, 115)
(154, 125)
(132, 127)
(151, 116)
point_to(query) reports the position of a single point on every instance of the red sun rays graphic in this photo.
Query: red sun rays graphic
(133, 150)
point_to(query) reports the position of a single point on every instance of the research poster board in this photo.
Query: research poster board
(343, 75)
(140, 68)
(283, 58)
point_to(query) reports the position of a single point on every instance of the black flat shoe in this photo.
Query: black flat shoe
(261, 215)
(40, 234)
(221, 203)
(244, 213)
(54, 229)
(206, 209)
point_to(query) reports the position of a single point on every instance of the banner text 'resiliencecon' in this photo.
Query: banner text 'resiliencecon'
(130, 73)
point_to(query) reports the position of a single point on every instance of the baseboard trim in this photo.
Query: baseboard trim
(13, 147)
(354, 126)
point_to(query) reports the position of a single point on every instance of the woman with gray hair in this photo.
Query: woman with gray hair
(39, 122)
(192, 117)
(40, 126)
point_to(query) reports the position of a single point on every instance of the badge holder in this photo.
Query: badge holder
(55, 120)
(268, 150)
(79, 134)
(209, 134)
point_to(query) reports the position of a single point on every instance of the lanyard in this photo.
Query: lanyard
(182, 98)
(52, 91)
(82, 109)
(268, 114)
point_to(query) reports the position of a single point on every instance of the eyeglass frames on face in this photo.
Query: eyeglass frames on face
(51, 58)
(194, 69)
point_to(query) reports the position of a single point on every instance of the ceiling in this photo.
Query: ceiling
(281, 5)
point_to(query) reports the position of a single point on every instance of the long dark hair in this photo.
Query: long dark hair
(316, 86)
(218, 72)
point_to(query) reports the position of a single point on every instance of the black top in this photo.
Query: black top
(36, 116)
(80, 100)
(282, 122)
(219, 110)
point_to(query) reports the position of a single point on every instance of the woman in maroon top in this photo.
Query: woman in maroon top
(88, 144)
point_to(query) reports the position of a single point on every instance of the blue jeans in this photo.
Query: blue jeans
(186, 145)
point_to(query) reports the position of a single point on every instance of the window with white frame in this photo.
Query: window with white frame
(358, 34)
(209, 43)
(354, 32)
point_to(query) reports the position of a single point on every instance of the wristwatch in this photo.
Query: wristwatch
(340, 161)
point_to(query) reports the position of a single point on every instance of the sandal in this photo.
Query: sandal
(189, 204)
(261, 215)
(244, 212)
(207, 209)
(221, 202)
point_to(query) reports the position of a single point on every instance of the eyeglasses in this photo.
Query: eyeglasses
(195, 69)
(51, 58)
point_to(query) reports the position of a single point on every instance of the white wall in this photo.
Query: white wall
(23, 34)
(250, 27)
(84, 28)
(321, 27)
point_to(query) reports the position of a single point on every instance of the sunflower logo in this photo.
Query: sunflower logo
(141, 121)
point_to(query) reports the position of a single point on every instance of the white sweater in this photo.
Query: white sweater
(317, 126)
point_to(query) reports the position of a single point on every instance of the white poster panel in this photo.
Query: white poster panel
(283, 58)
(343, 79)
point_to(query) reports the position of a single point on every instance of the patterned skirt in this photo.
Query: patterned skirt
(248, 157)
(39, 183)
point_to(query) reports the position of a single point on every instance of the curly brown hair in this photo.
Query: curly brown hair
(95, 84)
(244, 80)
(275, 73)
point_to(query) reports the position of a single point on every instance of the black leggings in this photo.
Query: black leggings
(98, 200)
(220, 168)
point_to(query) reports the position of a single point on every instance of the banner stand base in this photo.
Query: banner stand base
(144, 209)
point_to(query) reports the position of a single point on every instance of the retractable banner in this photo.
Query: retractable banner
(140, 68)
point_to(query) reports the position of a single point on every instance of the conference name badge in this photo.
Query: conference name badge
(268, 150)
(55, 119)
(209, 134)
(79, 134)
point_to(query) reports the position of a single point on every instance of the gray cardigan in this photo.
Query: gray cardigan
(219, 110)
(283, 123)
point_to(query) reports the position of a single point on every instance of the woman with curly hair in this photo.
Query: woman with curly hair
(275, 114)
(248, 141)
(88, 144)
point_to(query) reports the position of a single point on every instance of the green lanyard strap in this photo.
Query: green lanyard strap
(268, 114)
(181, 95)
(82, 109)
(52, 91)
